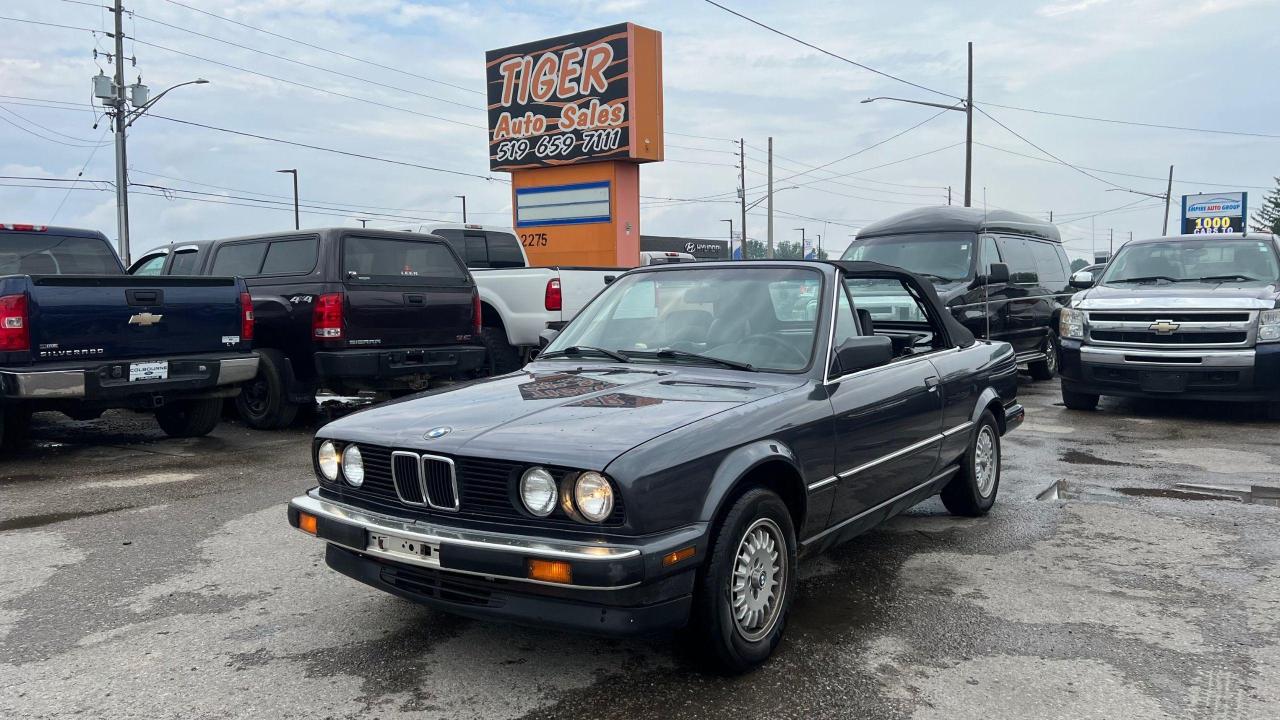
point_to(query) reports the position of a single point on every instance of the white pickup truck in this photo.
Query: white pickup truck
(519, 302)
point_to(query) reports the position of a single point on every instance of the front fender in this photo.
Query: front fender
(737, 465)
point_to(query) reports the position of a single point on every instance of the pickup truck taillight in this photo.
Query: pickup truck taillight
(326, 317)
(246, 317)
(553, 298)
(476, 313)
(15, 336)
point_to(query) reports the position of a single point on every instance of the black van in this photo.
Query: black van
(343, 309)
(956, 247)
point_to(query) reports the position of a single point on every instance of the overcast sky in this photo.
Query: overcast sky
(1204, 63)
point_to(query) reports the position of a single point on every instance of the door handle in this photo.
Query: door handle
(931, 383)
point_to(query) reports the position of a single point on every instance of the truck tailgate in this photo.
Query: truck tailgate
(132, 317)
(408, 316)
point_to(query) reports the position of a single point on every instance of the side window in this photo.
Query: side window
(241, 259)
(454, 238)
(897, 312)
(151, 266)
(476, 247)
(184, 262)
(504, 250)
(846, 320)
(1048, 266)
(989, 254)
(1022, 264)
(291, 257)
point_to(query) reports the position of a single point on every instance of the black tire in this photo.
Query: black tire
(1078, 400)
(500, 356)
(15, 429)
(734, 646)
(263, 402)
(1046, 369)
(973, 490)
(190, 418)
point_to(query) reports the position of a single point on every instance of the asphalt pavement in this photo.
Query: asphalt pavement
(145, 577)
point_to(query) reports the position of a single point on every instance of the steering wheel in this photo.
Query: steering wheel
(798, 356)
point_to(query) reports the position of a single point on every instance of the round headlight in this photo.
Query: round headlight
(538, 491)
(353, 466)
(594, 496)
(327, 459)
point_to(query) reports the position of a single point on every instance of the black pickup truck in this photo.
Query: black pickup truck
(341, 309)
(79, 336)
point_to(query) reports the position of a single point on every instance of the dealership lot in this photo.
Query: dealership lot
(147, 577)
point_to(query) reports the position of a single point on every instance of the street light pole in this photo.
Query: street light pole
(801, 241)
(464, 208)
(1168, 195)
(768, 251)
(297, 222)
(742, 196)
(744, 250)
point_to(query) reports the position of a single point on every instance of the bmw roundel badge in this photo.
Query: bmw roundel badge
(437, 433)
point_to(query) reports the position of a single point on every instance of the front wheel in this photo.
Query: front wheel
(973, 490)
(190, 418)
(744, 592)
(1046, 369)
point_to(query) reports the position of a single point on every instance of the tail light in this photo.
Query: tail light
(326, 317)
(246, 317)
(553, 299)
(15, 335)
(476, 313)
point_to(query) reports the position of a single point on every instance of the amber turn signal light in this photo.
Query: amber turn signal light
(672, 558)
(553, 571)
(307, 523)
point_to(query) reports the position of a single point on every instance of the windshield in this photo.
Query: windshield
(45, 254)
(941, 256)
(1209, 260)
(765, 317)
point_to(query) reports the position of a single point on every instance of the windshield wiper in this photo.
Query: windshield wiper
(1145, 278)
(580, 349)
(1231, 276)
(936, 277)
(685, 354)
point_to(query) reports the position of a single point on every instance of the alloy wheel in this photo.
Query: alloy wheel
(759, 581)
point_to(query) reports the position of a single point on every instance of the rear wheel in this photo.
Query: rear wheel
(973, 490)
(190, 418)
(744, 593)
(501, 356)
(263, 403)
(1046, 369)
(1078, 400)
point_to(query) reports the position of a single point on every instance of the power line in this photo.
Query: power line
(1135, 123)
(824, 51)
(1176, 181)
(83, 141)
(49, 24)
(42, 137)
(1024, 139)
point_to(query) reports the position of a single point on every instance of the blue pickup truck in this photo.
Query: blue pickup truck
(79, 336)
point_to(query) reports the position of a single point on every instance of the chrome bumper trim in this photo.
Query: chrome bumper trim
(1241, 358)
(44, 384)
(237, 370)
(434, 534)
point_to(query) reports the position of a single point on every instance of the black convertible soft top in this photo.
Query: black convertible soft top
(959, 334)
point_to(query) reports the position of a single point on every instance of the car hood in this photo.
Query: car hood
(557, 412)
(1201, 296)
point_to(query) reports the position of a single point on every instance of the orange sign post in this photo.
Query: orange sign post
(571, 118)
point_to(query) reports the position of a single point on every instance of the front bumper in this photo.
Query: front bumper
(1236, 374)
(615, 588)
(186, 375)
(384, 363)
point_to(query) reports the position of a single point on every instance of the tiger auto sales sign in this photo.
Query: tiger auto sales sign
(586, 97)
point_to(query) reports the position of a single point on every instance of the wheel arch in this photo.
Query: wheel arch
(989, 399)
(765, 463)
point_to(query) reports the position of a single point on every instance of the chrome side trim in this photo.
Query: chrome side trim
(237, 370)
(959, 428)
(426, 532)
(940, 476)
(823, 483)
(891, 456)
(453, 478)
(46, 384)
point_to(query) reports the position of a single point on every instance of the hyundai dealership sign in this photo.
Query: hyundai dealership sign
(1214, 213)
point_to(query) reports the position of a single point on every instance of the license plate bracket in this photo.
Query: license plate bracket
(1158, 381)
(407, 548)
(156, 370)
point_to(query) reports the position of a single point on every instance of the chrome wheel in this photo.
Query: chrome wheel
(1051, 356)
(759, 581)
(986, 460)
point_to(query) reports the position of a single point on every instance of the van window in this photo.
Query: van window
(943, 256)
(295, 257)
(1048, 264)
(47, 254)
(372, 259)
(242, 259)
(1017, 255)
(989, 254)
(184, 262)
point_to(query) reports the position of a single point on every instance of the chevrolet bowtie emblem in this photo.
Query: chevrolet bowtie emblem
(1164, 327)
(144, 319)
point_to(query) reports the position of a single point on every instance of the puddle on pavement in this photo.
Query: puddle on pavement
(1076, 457)
(1255, 495)
(34, 521)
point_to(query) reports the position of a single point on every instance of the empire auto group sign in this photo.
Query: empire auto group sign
(586, 97)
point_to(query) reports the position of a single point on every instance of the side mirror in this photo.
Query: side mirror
(998, 275)
(861, 353)
(1082, 280)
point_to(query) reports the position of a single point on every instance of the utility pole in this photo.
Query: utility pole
(464, 208)
(769, 248)
(1112, 251)
(730, 221)
(968, 135)
(742, 198)
(1050, 216)
(818, 254)
(801, 241)
(120, 120)
(948, 195)
(297, 222)
(362, 222)
(1168, 195)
